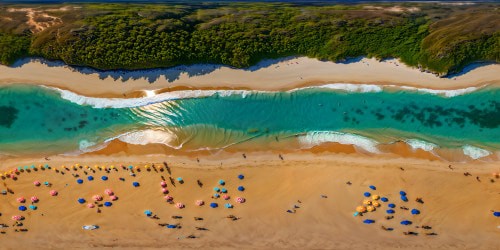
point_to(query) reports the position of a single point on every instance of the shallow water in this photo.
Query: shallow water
(36, 119)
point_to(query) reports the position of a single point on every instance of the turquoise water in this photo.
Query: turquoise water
(35, 119)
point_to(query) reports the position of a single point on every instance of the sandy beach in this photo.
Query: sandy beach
(282, 74)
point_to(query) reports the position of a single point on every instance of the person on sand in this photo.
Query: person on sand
(199, 183)
(201, 229)
(477, 179)
(198, 218)
(419, 200)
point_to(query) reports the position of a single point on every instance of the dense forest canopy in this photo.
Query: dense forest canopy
(442, 38)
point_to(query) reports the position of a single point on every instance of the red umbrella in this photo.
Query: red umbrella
(34, 199)
(179, 205)
(108, 191)
(168, 197)
(21, 200)
(53, 192)
(97, 198)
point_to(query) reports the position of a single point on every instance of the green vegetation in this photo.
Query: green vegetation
(442, 39)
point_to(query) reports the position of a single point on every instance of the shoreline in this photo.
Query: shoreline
(269, 75)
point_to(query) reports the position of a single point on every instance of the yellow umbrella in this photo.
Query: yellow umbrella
(370, 208)
(361, 209)
(375, 197)
(376, 204)
(1, 175)
(367, 202)
(77, 165)
(146, 166)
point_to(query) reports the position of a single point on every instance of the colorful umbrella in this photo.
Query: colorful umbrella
(402, 193)
(404, 198)
(21, 200)
(22, 208)
(90, 205)
(415, 211)
(81, 200)
(226, 197)
(108, 191)
(53, 193)
(104, 178)
(241, 177)
(200, 203)
(372, 187)
(390, 211)
(213, 205)
(179, 205)
(97, 197)
(368, 221)
(90, 178)
(240, 200)
(148, 213)
(34, 199)
(168, 198)
(164, 191)
(216, 189)
(223, 190)
(376, 204)
(367, 194)
(367, 202)
(222, 182)
(135, 184)
(384, 199)
(360, 209)
(33, 207)
(113, 198)
(391, 205)
(108, 204)
(36, 183)
(163, 184)
(79, 181)
(216, 195)
(496, 214)
(375, 197)
(370, 208)
(17, 217)
(406, 222)
(241, 188)
(227, 205)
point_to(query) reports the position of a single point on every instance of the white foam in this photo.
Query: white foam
(446, 93)
(419, 144)
(475, 152)
(318, 137)
(149, 136)
(350, 87)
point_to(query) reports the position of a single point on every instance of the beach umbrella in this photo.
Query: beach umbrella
(97, 197)
(370, 208)
(199, 203)
(391, 205)
(108, 191)
(496, 214)
(113, 198)
(22, 208)
(367, 202)
(225, 197)
(213, 205)
(223, 190)
(402, 193)
(104, 178)
(90, 205)
(360, 209)
(368, 221)
(355, 214)
(216, 195)
(216, 189)
(33, 207)
(53, 193)
(164, 191)
(17, 217)
(135, 184)
(148, 213)
(240, 199)
(415, 211)
(108, 204)
(227, 205)
(241, 177)
(404, 198)
(179, 179)
(375, 197)
(47, 166)
(168, 198)
(406, 222)
(372, 187)
(130, 167)
(376, 204)
(34, 199)
(222, 182)
(36, 183)
(241, 188)
(81, 200)
(90, 178)
(171, 226)
(46, 183)
(21, 199)
(384, 199)
(179, 205)
(367, 194)
(163, 184)
(79, 181)
(390, 211)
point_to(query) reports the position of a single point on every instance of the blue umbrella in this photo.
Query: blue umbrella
(406, 222)
(222, 182)
(47, 166)
(104, 178)
(81, 200)
(26, 167)
(372, 187)
(223, 190)
(241, 188)
(130, 167)
(148, 213)
(179, 179)
(367, 194)
(415, 211)
(384, 199)
(216, 195)
(241, 177)
(19, 168)
(32, 166)
(402, 193)
(32, 207)
(171, 226)
(79, 181)
(135, 184)
(390, 211)
(368, 221)
(391, 205)
(227, 205)
(22, 208)
(108, 204)
(216, 189)
(46, 183)
(213, 205)
(90, 178)
(496, 214)
(404, 198)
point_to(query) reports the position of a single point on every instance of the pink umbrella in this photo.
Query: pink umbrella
(179, 205)
(53, 192)
(108, 191)
(113, 198)
(163, 184)
(97, 197)
(226, 197)
(17, 217)
(164, 190)
(200, 203)
(36, 183)
(168, 198)
(34, 199)
(240, 199)
(21, 200)
(90, 205)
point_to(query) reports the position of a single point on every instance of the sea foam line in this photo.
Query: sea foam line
(315, 138)
(97, 102)
(475, 152)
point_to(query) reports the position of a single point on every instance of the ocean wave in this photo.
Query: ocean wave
(153, 98)
(149, 136)
(312, 139)
(419, 144)
(475, 152)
